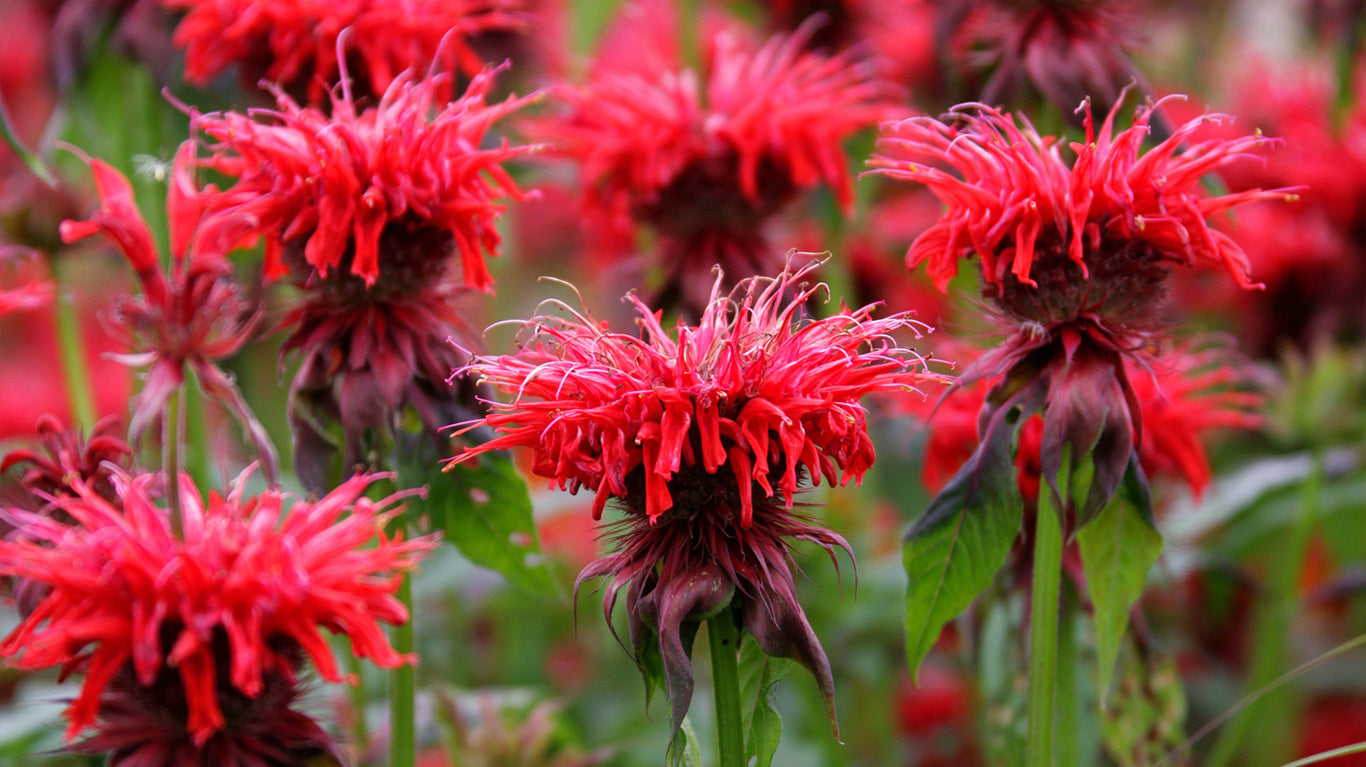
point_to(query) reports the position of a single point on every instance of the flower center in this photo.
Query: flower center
(706, 196)
(414, 257)
(1126, 286)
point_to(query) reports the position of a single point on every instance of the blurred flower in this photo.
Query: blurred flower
(194, 646)
(1074, 259)
(67, 456)
(22, 285)
(1331, 721)
(1311, 254)
(935, 715)
(706, 158)
(31, 365)
(188, 322)
(1065, 50)
(294, 43)
(366, 212)
(652, 421)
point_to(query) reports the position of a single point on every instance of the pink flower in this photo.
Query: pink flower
(189, 321)
(240, 599)
(293, 43)
(705, 436)
(705, 158)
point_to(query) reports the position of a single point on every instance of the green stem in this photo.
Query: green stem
(197, 452)
(172, 432)
(1323, 756)
(1043, 627)
(1069, 696)
(690, 24)
(75, 371)
(11, 138)
(403, 689)
(1267, 720)
(360, 727)
(724, 636)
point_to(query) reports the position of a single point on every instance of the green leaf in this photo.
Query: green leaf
(1118, 548)
(759, 674)
(483, 508)
(955, 548)
(684, 750)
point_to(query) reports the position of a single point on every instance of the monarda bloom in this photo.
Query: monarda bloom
(184, 321)
(66, 456)
(704, 437)
(705, 159)
(366, 212)
(1064, 50)
(293, 43)
(192, 647)
(1074, 260)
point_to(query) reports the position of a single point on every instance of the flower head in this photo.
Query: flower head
(187, 322)
(367, 212)
(240, 598)
(293, 42)
(705, 436)
(68, 456)
(1065, 50)
(704, 158)
(326, 191)
(1074, 259)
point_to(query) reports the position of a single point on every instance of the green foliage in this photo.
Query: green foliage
(1146, 716)
(759, 675)
(1118, 548)
(684, 750)
(955, 548)
(483, 508)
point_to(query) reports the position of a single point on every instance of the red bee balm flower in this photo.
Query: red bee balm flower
(189, 321)
(1073, 258)
(704, 436)
(367, 213)
(706, 163)
(294, 42)
(330, 192)
(240, 598)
